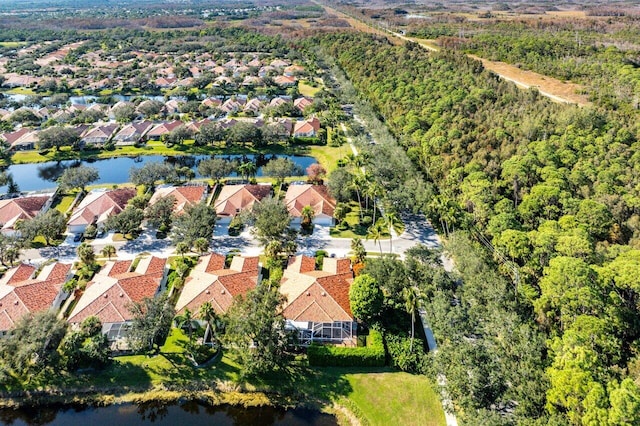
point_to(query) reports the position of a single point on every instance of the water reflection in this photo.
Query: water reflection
(159, 413)
(34, 177)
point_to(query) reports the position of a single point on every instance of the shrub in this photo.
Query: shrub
(371, 355)
(366, 221)
(414, 361)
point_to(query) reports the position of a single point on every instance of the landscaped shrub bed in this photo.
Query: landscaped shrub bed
(371, 355)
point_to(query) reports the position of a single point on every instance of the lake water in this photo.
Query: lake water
(39, 176)
(185, 413)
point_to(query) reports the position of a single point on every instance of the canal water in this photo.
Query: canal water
(40, 176)
(185, 413)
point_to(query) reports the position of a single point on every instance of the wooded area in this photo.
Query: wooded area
(555, 190)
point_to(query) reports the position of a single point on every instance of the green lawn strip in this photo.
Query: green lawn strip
(378, 396)
(64, 202)
(395, 398)
(21, 91)
(328, 156)
(307, 90)
(158, 148)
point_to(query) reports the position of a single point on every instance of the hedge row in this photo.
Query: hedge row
(337, 356)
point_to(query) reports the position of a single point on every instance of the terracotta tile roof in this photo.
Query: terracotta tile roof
(236, 198)
(184, 195)
(217, 286)
(99, 204)
(316, 196)
(20, 293)
(118, 268)
(20, 208)
(212, 262)
(302, 264)
(164, 128)
(111, 292)
(316, 296)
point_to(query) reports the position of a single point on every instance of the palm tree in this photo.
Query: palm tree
(201, 245)
(182, 248)
(376, 231)
(248, 169)
(186, 319)
(411, 303)
(373, 190)
(393, 224)
(208, 314)
(108, 251)
(359, 253)
(307, 215)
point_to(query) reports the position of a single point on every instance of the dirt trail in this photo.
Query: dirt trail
(552, 88)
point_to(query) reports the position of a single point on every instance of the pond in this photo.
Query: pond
(89, 99)
(184, 413)
(40, 176)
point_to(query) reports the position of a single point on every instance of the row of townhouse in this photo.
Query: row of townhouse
(316, 301)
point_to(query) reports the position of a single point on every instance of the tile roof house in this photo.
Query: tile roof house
(23, 208)
(162, 129)
(306, 129)
(317, 302)
(235, 198)
(27, 141)
(23, 292)
(114, 288)
(132, 132)
(101, 134)
(302, 103)
(284, 80)
(97, 206)
(316, 196)
(184, 195)
(209, 281)
(10, 138)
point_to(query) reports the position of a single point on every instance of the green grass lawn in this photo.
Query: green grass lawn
(64, 202)
(307, 90)
(21, 91)
(12, 43)
(377, 396)
(329, 154)
(395, 398)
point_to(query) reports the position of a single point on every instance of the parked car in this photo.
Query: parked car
(77, 238)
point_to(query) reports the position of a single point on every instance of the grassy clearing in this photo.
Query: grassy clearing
(395, 398)
(307, 90)
(328, 156)
(12, 43)
(21, 91)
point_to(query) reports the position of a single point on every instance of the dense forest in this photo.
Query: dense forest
(554, 190)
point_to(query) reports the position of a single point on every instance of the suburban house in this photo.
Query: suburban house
(209, 281)
(283, 80)
(235, 198)
(99, 135)
(302, 103)
(114, 288)
(10, 138)
(97, 206)
(184, 195)
(232, 105)
(307, 128)
(316, 196)
(23, 208)
(253, 106)
(132, 132)
(317, 302)
(23, 291)
(162, 129)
